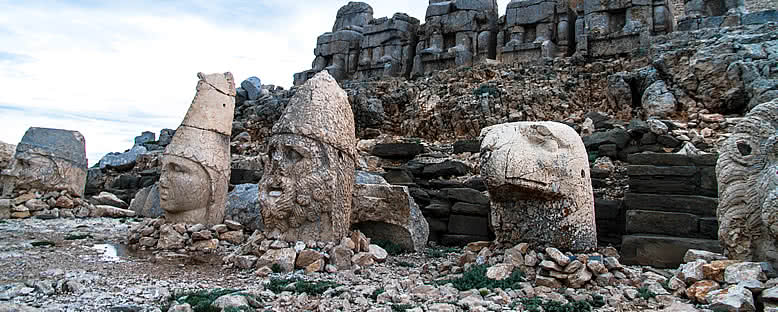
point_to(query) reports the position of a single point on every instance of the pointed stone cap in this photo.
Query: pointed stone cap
(320, 111)
(214, 105)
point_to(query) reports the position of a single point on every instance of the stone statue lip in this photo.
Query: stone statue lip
(533, 188)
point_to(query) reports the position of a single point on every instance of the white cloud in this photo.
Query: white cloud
(136, 62)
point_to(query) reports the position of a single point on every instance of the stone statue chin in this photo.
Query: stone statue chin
(184, 189)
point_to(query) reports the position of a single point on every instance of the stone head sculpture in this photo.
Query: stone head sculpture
(305, 193)
(49, 160)
(196, 163)
(747, 172)
(538, 178)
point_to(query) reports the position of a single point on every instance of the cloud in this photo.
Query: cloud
(112, 69)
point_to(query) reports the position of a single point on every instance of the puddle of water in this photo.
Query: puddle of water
(111, 252)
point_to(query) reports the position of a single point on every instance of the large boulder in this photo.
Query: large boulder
(748, 187)
(122, 161)
(243, 206)
(6, 154)
(538, 178)
(50, 160)
(388, 212)
(146, 202)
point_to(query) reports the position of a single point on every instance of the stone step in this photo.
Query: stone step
(698, 205)
(668, 159)
(662, 223)
(468, 225)
(661, 251)
(673, 185)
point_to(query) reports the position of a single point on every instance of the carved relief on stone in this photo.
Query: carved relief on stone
(305, 193)
(539, 185)
(48, 160)
(747, 172)
(196, 164)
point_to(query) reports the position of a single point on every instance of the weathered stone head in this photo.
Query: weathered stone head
(539, 184)
(196, 164)
(49, 160)
(305, 192)
(747, 172)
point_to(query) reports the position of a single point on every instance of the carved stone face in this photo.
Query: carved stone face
(297, 190)
(183, 186)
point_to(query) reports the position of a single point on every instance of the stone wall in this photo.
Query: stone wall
(670, 207)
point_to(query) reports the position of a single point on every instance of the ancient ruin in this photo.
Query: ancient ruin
(620, 27)
(305, 191)
(535, 29)
(388, 47)
(538, 178)
(456, 33)
(48, 160)
(196, 164)
(747, 172)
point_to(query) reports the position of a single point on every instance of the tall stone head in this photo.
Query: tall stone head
(538, 178)
(747, 172)
(305, 193)
(49, 160)
(196, 164)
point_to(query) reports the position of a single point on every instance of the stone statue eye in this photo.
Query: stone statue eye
(744, 148)
(292, 155)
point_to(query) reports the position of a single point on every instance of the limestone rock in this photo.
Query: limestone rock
(694, 255)
(389, 212)
(304, 192)
(734, 298)
(243, 206)
(378, 253)
(230, 302)
(196, 164)
(715, 270)
(579, 278)
(122, 161)
(499, 272)
(146, 202)
(745, 271)
(658, 101)
(558, 257)
(341, 256)
(169, 238)
(112, 212)
(206, 245)
(748, 187)
(692, 272)
(253, 87)
(306, 257)
(6, 154)
(699, 291)
(105, 198)
(49, 160)
(283, 257)
(234, 237)
(363, 259)
(543, 168)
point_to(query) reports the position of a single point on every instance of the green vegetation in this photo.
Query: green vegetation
(77, 236)
(401, 307)
(376, 293)
(299, 286)
(406, 264)
(485, 88)
(42, 244)
(276, 268)
(391, 248)
(598, 301)
(644, 293)
(475, 278)
(201, 301)
(536, 305)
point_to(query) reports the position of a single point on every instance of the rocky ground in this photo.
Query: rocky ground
(82, 265)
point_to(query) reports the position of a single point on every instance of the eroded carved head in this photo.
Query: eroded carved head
(184, 185)
(747, 172)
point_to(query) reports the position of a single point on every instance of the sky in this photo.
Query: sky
(113, 69)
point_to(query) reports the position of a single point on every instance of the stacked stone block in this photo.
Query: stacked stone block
(456, 33)
(670, 208)
(535, 29)
(616, 27)
(388, 47)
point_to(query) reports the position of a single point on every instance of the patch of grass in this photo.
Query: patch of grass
(598, 301)
(276, 268)
(645, 293)
(376, 293)
(77, 236)
(401, 307)
(3, 222)
(475, 278)
(536, 305)
(485, 88)
(42, 244)
(278, 285)
(406, 264)
(200, 301)
(391, 248)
